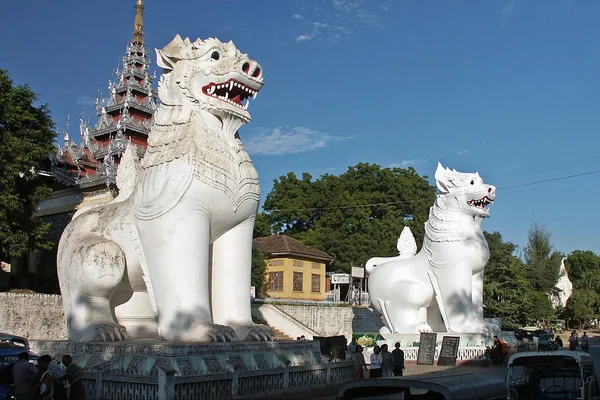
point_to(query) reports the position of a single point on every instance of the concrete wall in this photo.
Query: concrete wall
(34, 316)
(333, 320)
(41, 316)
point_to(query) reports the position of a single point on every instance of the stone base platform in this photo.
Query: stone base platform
(160, 370)
(412, 339)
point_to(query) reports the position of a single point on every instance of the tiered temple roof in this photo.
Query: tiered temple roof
(123, 119)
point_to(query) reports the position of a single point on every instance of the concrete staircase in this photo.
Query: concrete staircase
(280, 335)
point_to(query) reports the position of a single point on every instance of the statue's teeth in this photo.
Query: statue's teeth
(254, 96)
(230, 85)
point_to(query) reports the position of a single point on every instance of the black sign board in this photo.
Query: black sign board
(449, 351)
(426, 353)
(333, 346)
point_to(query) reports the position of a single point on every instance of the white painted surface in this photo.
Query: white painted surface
(446, 276)
(564, 285)
(184, 217)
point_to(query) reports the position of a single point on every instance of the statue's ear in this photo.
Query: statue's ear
(440, 179)
(170, 54)
(163, 61)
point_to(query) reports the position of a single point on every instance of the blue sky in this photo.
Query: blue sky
(508, 88)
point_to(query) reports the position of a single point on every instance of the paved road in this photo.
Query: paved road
(329, 393)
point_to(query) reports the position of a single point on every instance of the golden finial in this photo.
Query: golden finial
(138, 34)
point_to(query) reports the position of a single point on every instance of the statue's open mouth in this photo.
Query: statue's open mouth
(482, 203)
(232, 92)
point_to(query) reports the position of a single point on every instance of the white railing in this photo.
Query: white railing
(283, 322)
(168, 385)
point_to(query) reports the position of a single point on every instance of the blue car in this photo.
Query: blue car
(10, 348)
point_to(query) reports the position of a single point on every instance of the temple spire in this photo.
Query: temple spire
(138, 34)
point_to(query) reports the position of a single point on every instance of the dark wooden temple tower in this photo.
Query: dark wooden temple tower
(124, 118)
(84, 173)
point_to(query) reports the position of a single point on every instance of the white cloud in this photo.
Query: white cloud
(408, 163)
(330, 23)
(303, 38)
(507, 12)
(285, 140)
(86, 100)
(463, 152)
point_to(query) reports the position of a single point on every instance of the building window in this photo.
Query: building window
(298, 281)
(275, 263)
(316, 283)
(276, 280)
(298, 263)
(316, 265)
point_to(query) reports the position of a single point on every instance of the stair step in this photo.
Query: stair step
(280, 335)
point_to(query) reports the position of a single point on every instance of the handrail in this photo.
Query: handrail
(299, 325)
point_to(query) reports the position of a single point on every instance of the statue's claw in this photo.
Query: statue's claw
(256, 332)
(108, 332)
(424, 328)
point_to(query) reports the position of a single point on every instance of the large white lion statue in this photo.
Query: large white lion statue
(441, 287)
(170, 256)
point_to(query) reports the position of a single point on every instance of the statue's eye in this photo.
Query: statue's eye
(472, 182)
(215, 55)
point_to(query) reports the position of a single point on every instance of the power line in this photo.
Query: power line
(412, 201)
(344, 207)
(552, 179)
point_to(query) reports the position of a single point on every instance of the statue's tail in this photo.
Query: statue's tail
(370, 265)
(127, 175)
(407, 246)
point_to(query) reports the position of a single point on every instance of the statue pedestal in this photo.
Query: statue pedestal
(412, 339)
(204, 370)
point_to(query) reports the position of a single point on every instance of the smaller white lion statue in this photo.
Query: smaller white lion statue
(441, 287)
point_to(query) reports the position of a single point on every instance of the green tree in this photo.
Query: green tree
(505, 285)
(26, 141)
(258, 276)
(582, 306)
(354, 216)
(541, 262)
(583, 268)
(262, 226)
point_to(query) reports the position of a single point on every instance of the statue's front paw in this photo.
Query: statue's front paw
(209, 333)
(424, 328)
(105, 332)
(490, 328)
(255, 332)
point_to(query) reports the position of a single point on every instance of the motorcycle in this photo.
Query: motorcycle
(585, 346)
(572, 345)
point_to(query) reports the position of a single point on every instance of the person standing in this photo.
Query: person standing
(387, 365)
(47, 379)
(352, 346)
(573, 341)
(398, 356)
(360, 366)
(376, 361)
(74, 375)
(25, 378)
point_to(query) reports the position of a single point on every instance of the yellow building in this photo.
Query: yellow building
(294, 270)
